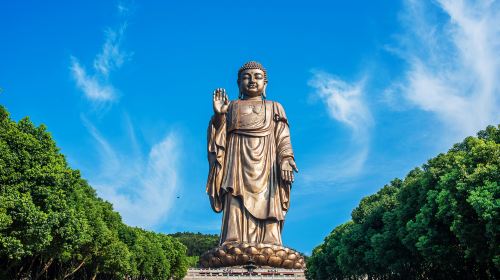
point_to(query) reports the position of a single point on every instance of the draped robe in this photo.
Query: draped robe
(245, 149)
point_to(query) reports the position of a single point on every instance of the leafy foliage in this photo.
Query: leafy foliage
(441, 222)
(197, 243)
(53, 225)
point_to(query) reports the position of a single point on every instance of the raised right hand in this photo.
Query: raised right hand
(220, 100)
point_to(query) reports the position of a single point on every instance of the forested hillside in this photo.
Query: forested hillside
(53, 226)
(197, 243)
(441, 222)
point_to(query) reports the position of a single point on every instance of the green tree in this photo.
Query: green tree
(441, 222)
(197, 243)
(53, 225)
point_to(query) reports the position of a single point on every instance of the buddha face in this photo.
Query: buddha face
(252, 82)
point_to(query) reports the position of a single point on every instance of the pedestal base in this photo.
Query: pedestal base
(245, 254)
(243, 274)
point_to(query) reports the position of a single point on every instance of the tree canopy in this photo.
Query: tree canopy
(54, 226)
(441, 222)
(197, 243)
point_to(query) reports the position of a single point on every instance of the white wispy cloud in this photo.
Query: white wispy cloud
(124, 9)
(94, 87)
(453, 67)
(345, 103)
(141, 187)
(111, 56)
(95, 83)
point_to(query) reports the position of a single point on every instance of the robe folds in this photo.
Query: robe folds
(245, 149)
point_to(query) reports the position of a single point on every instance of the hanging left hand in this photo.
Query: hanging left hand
(287, 167)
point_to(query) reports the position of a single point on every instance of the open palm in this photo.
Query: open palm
(220, 101)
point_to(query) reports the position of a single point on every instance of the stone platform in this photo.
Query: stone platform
(243, 274)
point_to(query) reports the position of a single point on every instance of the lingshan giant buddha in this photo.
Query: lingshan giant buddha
(251, 171)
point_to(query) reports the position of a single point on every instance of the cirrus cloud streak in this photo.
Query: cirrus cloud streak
(453, 67)
(345, 103)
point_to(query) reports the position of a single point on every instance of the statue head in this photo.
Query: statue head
(252, 80)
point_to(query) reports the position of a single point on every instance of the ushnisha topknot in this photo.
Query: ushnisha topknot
(253, 65)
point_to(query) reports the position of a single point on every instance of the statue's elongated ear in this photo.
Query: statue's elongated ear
(264, 90)
(240, 95)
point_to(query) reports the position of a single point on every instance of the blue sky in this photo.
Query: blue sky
(371, 89)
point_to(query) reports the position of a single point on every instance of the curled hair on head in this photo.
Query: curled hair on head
(252, 65)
